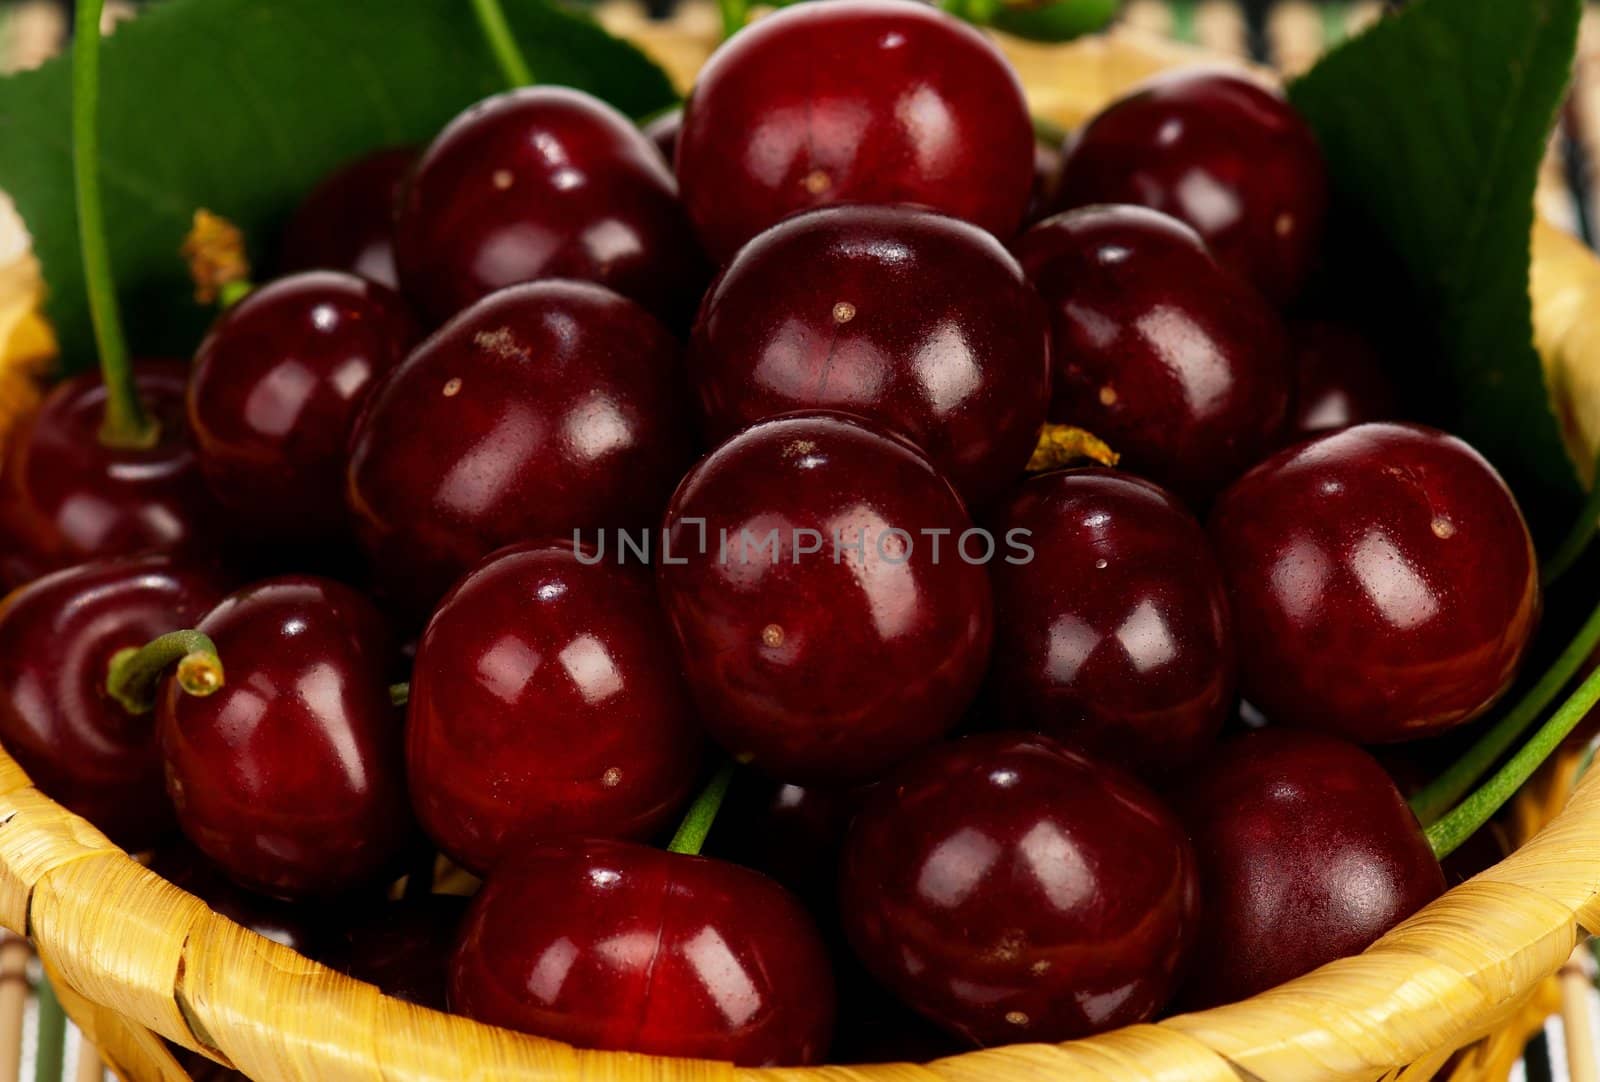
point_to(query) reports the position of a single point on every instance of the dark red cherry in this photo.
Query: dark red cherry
(301, 928)
(66, 498)
(1221, 152)
(1156, 349)
(1307, 853)
(291, 777)
(545, 182)
(274, 394)
(1046, 166)
(1339, 379)
(540, 410)
(827, 639)
(58, 635)
(1012, 890)
(857, 101)
(617, 946)
(919, 322)
(1115, 636)
(402, 947)
(791, 833)
(663, 132)
(1383, 583)
(346, 223)
(546, 702)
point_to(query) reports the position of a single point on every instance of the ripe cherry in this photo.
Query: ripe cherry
(274, 393)
(290, 778)
(859, 101)
(546, 701)
(403, 947)
(1116, 637)
(545, 182)
(790, 833)
(301, 928)
(826, 638)
(1157, 349)
(1013, 890)
(346, 223)
(1339, 379)
(1307, 853)
(58, 635)
(613, 945)
(1224, 154)
(541, 410)
(919, 322)
(1383, 583)
(66, 498)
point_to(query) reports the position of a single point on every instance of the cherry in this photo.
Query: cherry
(1116, 637)
(858, 101)
(613, 945)
(1339, 379)
(299, 927)
(1383, 583)
(67, 498)
(545, 182)
(790, 833)
(290, 777)
(1012, 890)
(402, 947)
(1307, 853)
(346, 223)
(919, 322)
(274, 394)
(663, 132)
(546, 701)
(58, 635)
(1157, 349)
(827, 638)
(1224, 154)
(540, 410)
(1046, 166)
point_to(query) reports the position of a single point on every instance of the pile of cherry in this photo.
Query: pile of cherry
(616, 520)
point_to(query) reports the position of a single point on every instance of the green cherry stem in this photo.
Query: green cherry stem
(735, 14)
(400, 694)
(135, 673)
(126, 423)
(502, 43)
(696, 824)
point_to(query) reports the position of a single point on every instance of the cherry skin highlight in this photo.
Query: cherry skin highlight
(861, 101)
(346, 223)
(1175, 362)
(1116, 637)
(540, 410)
(920, 322)
(1308, 853)
(1339, 379)
(1220, 152)
(291, 777)
(1012, 890)
(812, 669)
(658, 952)
(545, 182)
(546, 701)
(1383, 583)
(274, 393)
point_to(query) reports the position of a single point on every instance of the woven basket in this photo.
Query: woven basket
(135, 959)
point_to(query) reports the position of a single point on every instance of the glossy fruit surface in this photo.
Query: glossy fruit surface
(346, 223)
(920, 322)
(545, 182)
(274, 394)
(547, 702)
(57, 637)
(65, 498)
(541, 410)
(617, 946)
(1012, 890)
(291, 777)
(1383, 583)
(1157, 349)
(860, 101)
(1307, 853)
(1224, 154)
(826, 640)
(1115, 637)
(403, 947)
(1339, 379)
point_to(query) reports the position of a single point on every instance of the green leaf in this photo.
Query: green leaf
(240, 106)
(1434, 123)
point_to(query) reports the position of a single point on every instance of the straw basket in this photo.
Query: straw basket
(135, 959)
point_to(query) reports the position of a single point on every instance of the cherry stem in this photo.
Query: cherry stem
(400, 694)
(502, 43)
(1049, 132)
(1577, 540)
(126, 422)
(135, 673)
(735, 14)
(696, 825)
